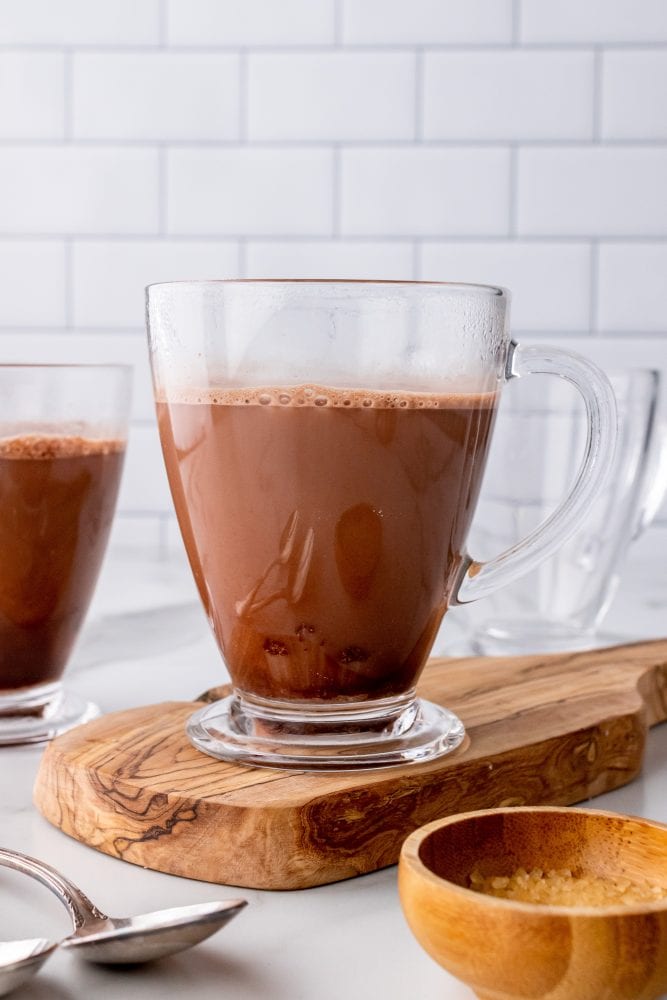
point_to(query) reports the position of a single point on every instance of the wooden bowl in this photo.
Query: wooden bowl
(507, 949)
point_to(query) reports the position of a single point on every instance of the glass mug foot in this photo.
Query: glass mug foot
(390, 733)
(41, 714)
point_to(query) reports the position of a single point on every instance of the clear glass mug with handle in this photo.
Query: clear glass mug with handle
(561, 604)
(325, 444)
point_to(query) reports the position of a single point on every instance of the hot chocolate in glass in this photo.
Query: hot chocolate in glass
(325, 444)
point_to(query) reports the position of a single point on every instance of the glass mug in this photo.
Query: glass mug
(325, 444)
(63, 430)
(561, 604)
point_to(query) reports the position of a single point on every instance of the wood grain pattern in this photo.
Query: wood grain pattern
(542, 730)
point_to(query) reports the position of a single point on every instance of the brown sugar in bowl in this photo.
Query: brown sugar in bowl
(506, 949)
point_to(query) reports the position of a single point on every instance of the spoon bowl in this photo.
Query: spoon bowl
(19, 960)
(125, 940)
(149, 936)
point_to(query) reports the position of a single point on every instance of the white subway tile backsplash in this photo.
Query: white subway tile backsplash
(32, 283)
(596, 21)
(508, 95)
(328, 259)
(549, 282)
(70, 189)
(163, 96)
(250, 191)
(631, 288)
(56, 347)
(109, 277)
(634, 95)
(592, 191)
(250, 22)
(337, 95)
(425, 192)
(79, 22)
(32, 95)
(518, 142)
(144, 488)
(426, 22)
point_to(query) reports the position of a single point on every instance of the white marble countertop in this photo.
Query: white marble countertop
(146, 640)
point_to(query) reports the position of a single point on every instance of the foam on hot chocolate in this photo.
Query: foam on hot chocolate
(311, 394)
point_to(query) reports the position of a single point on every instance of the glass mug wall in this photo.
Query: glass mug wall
(325, 444)
(538, 444)
(62, 441)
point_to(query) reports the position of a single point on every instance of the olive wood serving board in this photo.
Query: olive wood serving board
(542, 730)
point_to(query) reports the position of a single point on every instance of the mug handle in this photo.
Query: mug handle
(478, 579)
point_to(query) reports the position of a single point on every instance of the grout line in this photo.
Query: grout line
(163, 32)
(513, 226)
(243, 96)
(336, 193)
(207, 145)
(68, 96)
(516, 22)
(416, 260)
(338, 22)
(594, 287)
(69, 284)
(138, 332)
(597, 94)
(163, 536)
(162, 189)
(576, 239)
(419, 95)
(359, 47)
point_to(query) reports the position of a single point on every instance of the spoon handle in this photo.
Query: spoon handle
(81, 910)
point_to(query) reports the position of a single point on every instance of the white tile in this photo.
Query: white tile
(589, 191)
(68, 189)
(32, 95)
(631, 287)
(593, 21)
(338, 260)
(428, 192)
(338, 95)
(144, 487)
(426, 22)
(634, 95)
(173, 540)
(110, 276)
(56, 347)
(137, 533)
(250, 22)
(250, 191)
(79, 22)
(32, 283)
(151, 95)
(550, 283)
(508, 95)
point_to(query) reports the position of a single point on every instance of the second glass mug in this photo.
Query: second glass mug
(325, 444)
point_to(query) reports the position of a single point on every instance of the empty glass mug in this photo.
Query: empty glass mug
(325, 444)
(63, 430)
(538, 442)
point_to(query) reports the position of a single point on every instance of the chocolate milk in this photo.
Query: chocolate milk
(325, 529)
(57, 498)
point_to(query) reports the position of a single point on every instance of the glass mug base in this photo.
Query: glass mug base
(517, 637)
(36, 715)
(390, 732)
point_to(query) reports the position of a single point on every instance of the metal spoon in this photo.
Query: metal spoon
(125, 940)
(19, 960)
